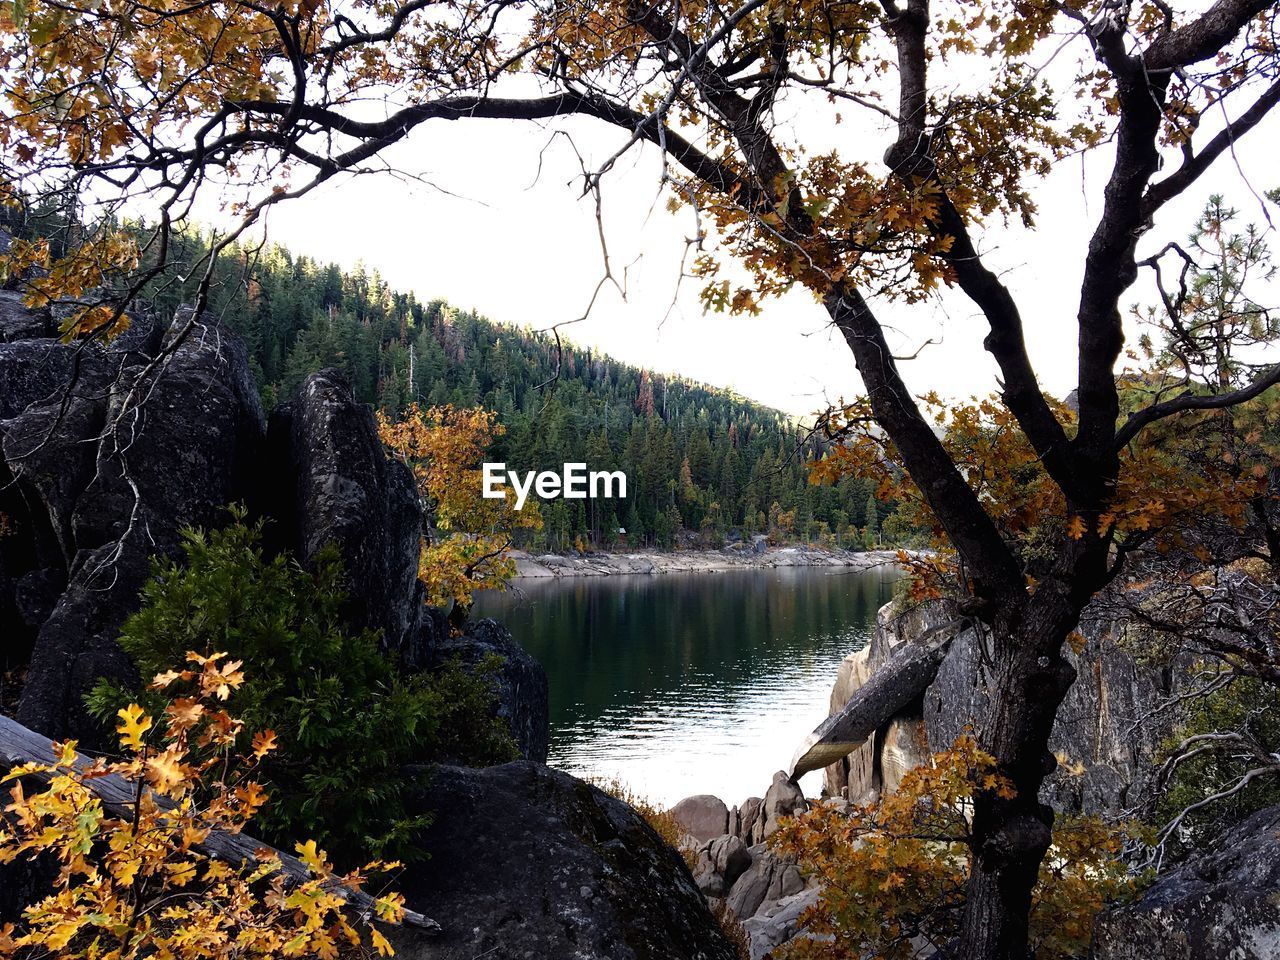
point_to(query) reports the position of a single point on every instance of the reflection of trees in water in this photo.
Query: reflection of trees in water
(611, 642)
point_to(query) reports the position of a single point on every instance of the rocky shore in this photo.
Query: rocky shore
(741, 556)
(1218, 905)
(525, 862)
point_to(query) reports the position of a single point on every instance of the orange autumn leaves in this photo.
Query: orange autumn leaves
(74, 276)
(87, 83)
(1170, 478)
(893, 873)
(469, 535)
(138, 885)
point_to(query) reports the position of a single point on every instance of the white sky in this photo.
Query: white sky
(492, 233)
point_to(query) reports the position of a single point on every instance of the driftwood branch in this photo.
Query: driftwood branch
(902, 679)
(20, 745)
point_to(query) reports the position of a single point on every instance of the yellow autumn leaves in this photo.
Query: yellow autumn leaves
(444, 447)
(134, 880)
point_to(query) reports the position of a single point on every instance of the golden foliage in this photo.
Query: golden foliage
(74, 276)
(105, 87)
(137, 886)
(894, 873)
(444, 448)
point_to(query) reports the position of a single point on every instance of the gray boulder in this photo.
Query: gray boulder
(768, 878)
(49, 451)
(784, 798)
(19, 323)
(349, 493)
(702, 817)
(1222, 905)
(34, 371)
(750, 825)
(1108, 728)
(527, 863)
(778, 923)
(730, 857)
(143, 336)
(720, 863)
(52, 402)
(174, 461)
(521, 681)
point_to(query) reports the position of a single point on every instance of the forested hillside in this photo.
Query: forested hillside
(696, 457)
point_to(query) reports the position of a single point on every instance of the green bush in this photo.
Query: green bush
(345, 718)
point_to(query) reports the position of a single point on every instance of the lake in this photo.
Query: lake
(677, 684)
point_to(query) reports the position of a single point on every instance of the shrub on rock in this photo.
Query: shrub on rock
(347, 720)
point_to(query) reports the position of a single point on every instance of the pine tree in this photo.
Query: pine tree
(644, 399)
(871, 529)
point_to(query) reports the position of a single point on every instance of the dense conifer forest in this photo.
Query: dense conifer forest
(702, 463)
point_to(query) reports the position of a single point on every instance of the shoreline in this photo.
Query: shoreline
(653, 562)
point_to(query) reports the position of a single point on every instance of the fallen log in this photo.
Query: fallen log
(20, 745)
(901, 680)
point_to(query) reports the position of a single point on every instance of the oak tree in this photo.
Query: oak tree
(150, 104)
(893, 872)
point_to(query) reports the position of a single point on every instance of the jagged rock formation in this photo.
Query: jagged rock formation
(348, 492)
(528, 863)
(768, 880)
(108, 453)
(19, 323)
(721, 861)
(1107, 731)
(735, 867)
(778, 923)
(1221, 905)
(102, 469)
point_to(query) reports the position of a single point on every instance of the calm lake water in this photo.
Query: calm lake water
(679, 684)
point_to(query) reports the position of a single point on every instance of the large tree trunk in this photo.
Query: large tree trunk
(1011, 836)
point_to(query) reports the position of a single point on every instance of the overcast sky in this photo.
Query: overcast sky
(497, 225)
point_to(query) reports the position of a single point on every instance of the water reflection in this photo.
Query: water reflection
(690, 683)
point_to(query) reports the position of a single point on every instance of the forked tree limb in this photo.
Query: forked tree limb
(20, 745)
